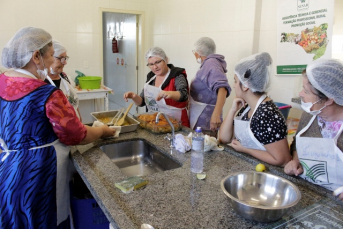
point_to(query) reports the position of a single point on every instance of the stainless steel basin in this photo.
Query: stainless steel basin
(138, 157)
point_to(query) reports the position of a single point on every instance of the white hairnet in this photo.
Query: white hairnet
(326, 75)
(156, 52)
(18, 51)
(254, 71)
(58, 48)
(205, 46)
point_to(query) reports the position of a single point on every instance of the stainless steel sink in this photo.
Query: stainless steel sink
(138, 157)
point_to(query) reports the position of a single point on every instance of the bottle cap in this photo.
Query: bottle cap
(198, 129)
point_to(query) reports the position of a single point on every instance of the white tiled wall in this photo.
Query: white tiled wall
(76, 23)
(172, 24)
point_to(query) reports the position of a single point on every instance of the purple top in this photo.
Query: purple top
(204, 88)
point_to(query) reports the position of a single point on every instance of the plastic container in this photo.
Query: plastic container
(284, 109)
(147, 121)
(85, 210)
(197, 154)
(90, 82)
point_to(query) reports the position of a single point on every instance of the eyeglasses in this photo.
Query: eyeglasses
(156, 63)
(193, 51)
(63, 59)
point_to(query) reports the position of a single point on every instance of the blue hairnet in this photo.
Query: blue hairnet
(326, 75)
(18, 51)
(254, 71)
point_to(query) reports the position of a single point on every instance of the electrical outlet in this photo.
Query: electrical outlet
(85, 64)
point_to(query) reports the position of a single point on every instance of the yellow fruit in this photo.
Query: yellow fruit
(260, 168)
(201, 176)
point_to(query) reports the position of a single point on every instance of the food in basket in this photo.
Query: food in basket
(148, 120)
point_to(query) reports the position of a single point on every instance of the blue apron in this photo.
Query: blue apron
(33, 165)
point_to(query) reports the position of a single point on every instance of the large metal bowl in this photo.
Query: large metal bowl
(259, 196)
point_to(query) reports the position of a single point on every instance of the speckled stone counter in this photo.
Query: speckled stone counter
(176, 198)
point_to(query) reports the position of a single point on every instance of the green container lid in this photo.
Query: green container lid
(90, 82)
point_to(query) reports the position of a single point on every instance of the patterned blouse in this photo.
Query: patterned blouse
(268, 124)
(61, 114)
(329, 129)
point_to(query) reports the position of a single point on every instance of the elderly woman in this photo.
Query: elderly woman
(259, 126)
(209, 89)
(166, 88)
(59, 79)
(36, 124)
(317, 147)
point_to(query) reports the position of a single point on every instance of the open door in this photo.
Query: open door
(120, 68)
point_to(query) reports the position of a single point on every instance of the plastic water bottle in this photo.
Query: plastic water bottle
(197, 155)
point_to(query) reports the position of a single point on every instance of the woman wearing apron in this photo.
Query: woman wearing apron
(259, 128)
(36, 125)
(318, 144)
(59, 79)
(166, 89)
(209, 89)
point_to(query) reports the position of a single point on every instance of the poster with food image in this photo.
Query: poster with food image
(304, 33)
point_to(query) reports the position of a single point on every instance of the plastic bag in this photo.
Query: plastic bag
(79, 74)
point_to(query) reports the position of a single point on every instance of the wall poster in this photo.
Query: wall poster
(304, 33)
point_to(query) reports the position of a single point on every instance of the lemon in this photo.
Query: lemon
(201, 176)
(260, 168)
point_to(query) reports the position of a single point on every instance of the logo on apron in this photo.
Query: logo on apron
(315, 171)
(151, 103)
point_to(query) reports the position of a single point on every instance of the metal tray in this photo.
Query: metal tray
(110, 114)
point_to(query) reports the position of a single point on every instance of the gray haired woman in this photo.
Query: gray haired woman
(209, 89)
(166, 88)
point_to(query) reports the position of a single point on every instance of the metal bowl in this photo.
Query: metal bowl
(259, 196)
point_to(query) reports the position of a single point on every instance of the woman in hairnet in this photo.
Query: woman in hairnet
(259, 128)
(166, 88)
(59, 79)
(209, 89)
(36, 124)
(318, 144)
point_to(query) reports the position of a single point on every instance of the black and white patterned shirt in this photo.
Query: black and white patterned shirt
(268, 124)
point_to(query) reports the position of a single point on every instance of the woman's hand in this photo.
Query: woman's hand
(135, 98)
(237, 145)
(237, 104)
(164, 95)
(107, 132)
(294, 168)
(215, 121)
(129, 95)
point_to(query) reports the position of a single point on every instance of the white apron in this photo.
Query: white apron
(320, 158)
(150, 94)
(69, 92)
(62, 176)
(195, 110)
(243, 132)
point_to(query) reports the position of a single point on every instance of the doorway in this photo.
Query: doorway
(121, 68)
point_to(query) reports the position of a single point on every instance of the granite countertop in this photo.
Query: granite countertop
(176, 198)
